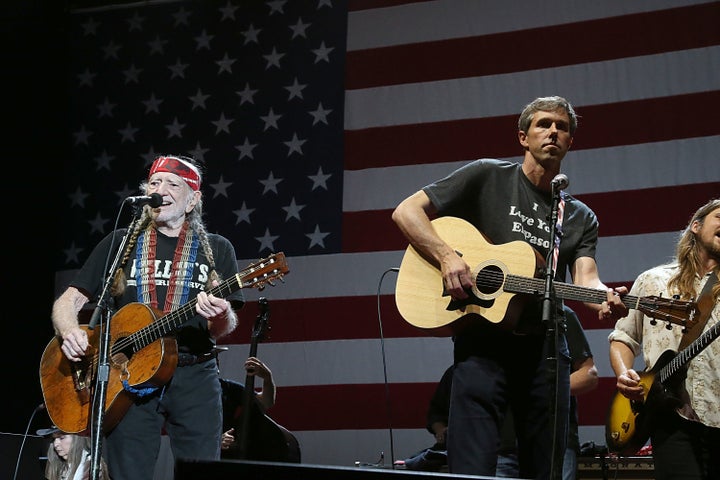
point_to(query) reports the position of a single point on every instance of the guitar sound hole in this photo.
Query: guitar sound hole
(121, 351)
(489, 279)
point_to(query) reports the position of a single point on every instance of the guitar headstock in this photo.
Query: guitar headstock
(671, 310)
(262, 323)
(264, 271)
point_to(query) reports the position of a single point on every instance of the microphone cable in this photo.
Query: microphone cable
(22, 445)
(384, 362)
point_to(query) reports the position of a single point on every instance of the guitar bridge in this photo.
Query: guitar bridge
(83, 374)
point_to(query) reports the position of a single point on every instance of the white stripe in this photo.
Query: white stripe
(600, 348)
(445, 19)
(623, 258)
(595, 83)
(647, 165)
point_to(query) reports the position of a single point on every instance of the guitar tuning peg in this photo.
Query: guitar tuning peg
(653, 322)
(668, 326)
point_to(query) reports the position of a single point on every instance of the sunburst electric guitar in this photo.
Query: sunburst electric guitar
(142, 352)
(506, 277)
(628, 421)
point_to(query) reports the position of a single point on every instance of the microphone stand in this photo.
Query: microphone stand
(103, 314)
(549, 319)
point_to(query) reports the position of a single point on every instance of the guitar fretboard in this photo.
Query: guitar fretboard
(682, 358)
(666, 309)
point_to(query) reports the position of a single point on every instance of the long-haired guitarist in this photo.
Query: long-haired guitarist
(169, 260)
(681, 418)
(509, 201)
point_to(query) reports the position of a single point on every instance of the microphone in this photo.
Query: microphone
(154, 200)
(560, 182)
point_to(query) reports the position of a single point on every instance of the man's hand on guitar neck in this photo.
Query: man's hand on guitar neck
(613, 309)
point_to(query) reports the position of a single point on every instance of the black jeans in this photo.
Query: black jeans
(685, 450)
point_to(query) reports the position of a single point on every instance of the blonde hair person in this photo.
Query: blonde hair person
(68, 456)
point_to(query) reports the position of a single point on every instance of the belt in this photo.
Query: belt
(186, 359)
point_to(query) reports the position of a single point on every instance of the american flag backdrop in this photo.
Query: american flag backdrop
(315, 118)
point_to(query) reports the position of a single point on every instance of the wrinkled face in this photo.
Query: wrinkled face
(62, 444)
(548, 137)
(178, 197)
(708, 233)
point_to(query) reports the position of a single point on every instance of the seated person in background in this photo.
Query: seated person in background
(435, 458)
(68, 456)
(233, 394)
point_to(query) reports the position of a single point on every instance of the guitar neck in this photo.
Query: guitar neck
(692, 350)
(171, 322)
(565, 291)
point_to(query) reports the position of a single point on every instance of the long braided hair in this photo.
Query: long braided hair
(146, 222)
(686, 254)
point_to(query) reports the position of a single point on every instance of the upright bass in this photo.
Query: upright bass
(259, 437)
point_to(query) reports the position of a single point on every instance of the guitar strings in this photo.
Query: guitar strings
(166, 323)
(663, 309)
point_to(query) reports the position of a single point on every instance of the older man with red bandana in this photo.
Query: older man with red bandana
(168, 260)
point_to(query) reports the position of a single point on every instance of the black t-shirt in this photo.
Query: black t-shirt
(193, 335)
(497, 198)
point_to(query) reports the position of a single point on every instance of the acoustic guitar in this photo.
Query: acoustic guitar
(142, 352)
(628, 421)
(505, 278)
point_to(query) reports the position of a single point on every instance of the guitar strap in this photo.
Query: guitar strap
(705, 306)
(558, 229)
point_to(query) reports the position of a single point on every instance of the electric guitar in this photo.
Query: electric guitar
(628, 421)
(143, 353)
(506, 277)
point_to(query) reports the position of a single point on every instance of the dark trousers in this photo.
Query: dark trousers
(509, 371)
(685, 450)
(189, 408)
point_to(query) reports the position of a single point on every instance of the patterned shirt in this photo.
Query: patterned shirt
(636, 331)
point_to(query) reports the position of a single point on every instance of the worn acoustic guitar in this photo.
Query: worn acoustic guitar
(142, 353)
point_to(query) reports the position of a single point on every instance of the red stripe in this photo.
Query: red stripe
(333, 318)
(366, 406)
(352, 407)
(614, 124)
(602, 39)
(593, 407)
(353, 318)
(358, 5)
(668, 210)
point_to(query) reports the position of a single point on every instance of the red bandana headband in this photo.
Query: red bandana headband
(181, 168)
